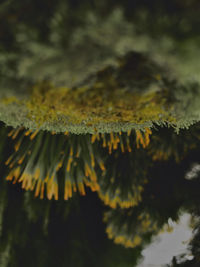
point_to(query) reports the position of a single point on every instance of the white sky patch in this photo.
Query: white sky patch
(193, 172)
(166, 245)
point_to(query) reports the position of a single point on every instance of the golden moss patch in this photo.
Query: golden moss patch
(97, 104)
(10, 100)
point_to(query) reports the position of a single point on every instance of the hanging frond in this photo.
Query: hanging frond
(122, 184)
(129, 227)
(40, 156)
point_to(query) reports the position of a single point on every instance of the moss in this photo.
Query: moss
(99, 104)
(86, 110)
(90, 109)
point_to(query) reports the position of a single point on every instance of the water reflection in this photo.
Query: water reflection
(160, 181)
(167, 244)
